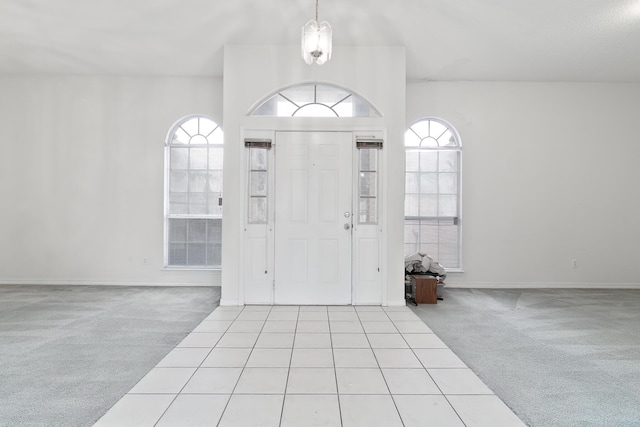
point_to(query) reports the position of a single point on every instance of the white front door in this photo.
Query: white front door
(313, 209)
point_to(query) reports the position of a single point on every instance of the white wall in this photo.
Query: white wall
(550, 174)
(81, 176)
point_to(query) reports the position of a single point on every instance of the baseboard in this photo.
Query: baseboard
(543, 285)
(40, 282)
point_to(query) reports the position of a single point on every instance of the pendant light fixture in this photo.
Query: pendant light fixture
(316, 41)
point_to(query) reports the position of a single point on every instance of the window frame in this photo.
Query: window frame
(218, 145)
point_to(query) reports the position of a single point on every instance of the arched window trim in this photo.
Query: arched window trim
(374, 112)
(437, 220)
(196, 232)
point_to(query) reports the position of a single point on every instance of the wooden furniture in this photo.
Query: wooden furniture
(425, 289)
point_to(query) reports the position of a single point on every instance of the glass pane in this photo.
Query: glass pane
(428, 161)
(362, 108)
(216, 137)
(411, 248)
(411, 183)
(214, 231)
(197, 203)
(330, 95)
(430, 249)
(448, 183)
(179, 158)
(428, 183)
(216, 156)
(196, 254)
(368, 211)
(368, 159)
(258, 184)
(447, 140)
(429, 142)
(285, 108)
(178, 203)
(258, 210)
(178, 181)
(436, 129)
(448, 161)
(368, 184)
(421, 128)
(197, 230)
(428, 205)
(268, 108)
(206, 126)
(180, 137)
(411, 139)
(198, 158)
(190, 126)
(345, 108)
(411, 232)
(215, 181)
(303, 94)
(197, 182)
(258, 158)
(198, 140)
(177, 230)
(429, 233)
(447, 206)
(214, 255)
(412, 161)
(177, 254)
(411, 205)
(315, 110)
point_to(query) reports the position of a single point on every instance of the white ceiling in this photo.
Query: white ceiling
(514, 40)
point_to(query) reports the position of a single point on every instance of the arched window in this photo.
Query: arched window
(315, 100)
(193, 196)
(432, 191)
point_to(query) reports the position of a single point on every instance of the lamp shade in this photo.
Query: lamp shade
(316, 42)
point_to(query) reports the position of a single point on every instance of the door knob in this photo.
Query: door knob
(347, 226)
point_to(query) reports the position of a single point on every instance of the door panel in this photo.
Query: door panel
(313, 191)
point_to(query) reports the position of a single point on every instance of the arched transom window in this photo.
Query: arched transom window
(315, 100)
(193, 199)
(432, 191)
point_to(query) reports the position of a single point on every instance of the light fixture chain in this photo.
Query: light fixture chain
(316, 10)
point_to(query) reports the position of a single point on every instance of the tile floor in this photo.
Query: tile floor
(303, 366)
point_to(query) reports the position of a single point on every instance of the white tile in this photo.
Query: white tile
(194, 410)
(213, 326)
(312, 358)
(458, 381)
(368, 411)
(343, 316)
(361, 308)
(373, 316)
(415, 327)
(213, 380)
(410, 381)
(304, 308)
(223, 315)
(401, 308)
(246, 326)
(350, 340)
(313, 315)
(341, 327)
(484, 411)
(262, 381)
(379, 328)
(399, 316)
(238, 340)
(136, 410)
(438, 358)
(163, 380)
(387, 341)
(201, 339)
(279, 326)
(253, 411)
(184, 358)
(354, 358)
(396, 358)
(311, 411)
(256, 308)
(227, 358)
(312, 326)
(283, 315)
(275, 340)
(360, 381)
(347, 308)
(424, 341)
(253, 315)
(311, 381)
(415, 409)
(311, 340)
(230, 308)
(289, 308)
(269, 358)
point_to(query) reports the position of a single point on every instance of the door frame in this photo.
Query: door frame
(257, 282)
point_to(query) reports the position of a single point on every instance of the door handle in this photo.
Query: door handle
(347, 226)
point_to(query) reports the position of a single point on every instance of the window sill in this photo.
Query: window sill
(187, 268)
